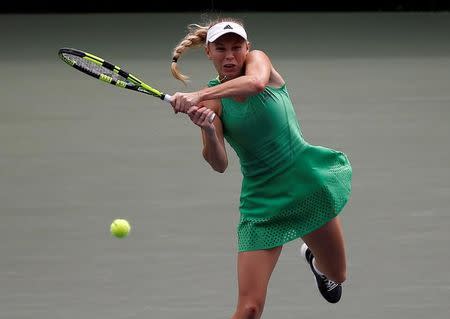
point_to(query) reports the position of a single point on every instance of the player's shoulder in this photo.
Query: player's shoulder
(257, 55)
(257, 52)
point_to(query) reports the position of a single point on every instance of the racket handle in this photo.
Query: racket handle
(211, 117)
(168, 99)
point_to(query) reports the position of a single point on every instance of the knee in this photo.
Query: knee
(251, 310)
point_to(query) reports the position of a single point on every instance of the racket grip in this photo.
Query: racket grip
(168, 99)
(211, 117)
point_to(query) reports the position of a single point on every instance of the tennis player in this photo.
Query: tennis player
(290, 189)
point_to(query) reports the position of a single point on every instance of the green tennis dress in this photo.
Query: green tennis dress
(289, 187)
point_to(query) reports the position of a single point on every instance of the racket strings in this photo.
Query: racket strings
(94, 68)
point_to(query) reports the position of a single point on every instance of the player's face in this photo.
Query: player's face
(228, 54)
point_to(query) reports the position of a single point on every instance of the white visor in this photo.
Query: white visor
(222, 28)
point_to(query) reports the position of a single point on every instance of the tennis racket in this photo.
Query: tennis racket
(107, 72)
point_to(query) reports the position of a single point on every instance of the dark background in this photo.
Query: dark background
(217, 6)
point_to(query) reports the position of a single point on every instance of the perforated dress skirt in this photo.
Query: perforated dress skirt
(289, 187)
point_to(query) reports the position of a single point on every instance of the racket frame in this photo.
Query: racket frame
(134, 83)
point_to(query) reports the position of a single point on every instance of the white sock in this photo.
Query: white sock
(315, 267)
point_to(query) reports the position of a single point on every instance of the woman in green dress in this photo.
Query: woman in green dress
(290, 189)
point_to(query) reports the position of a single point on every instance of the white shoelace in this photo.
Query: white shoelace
(329, 283)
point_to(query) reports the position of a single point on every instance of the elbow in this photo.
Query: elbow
(220, 168)
(218, 165)
(257, 85)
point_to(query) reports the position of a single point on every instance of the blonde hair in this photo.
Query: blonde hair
(196, 37)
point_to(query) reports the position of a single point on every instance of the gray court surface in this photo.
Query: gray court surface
(76, 153)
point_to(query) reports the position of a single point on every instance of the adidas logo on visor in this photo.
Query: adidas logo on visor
(222, 28)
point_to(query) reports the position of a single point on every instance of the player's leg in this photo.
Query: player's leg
(254, 270)
(328, 247)
(325, 252)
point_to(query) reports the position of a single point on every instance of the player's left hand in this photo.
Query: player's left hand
(201, 116)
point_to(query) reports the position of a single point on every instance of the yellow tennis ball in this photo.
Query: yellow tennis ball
(120, 228)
